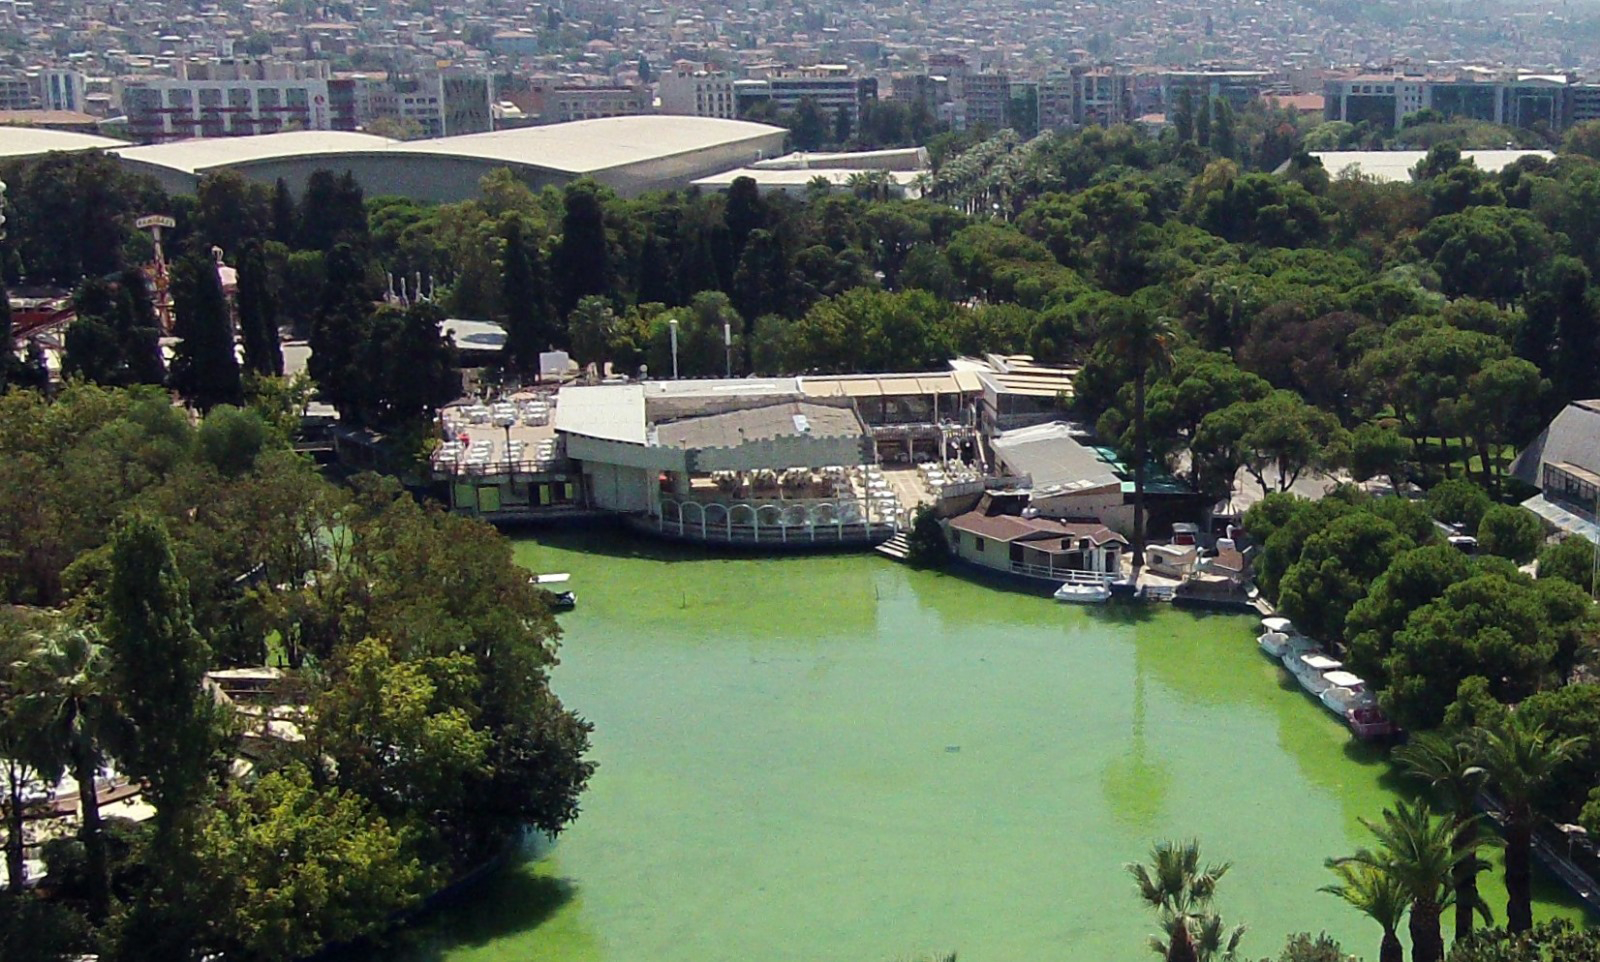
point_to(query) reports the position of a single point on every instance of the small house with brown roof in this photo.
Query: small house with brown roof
(998, 535)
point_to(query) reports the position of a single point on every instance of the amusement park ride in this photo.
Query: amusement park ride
(47, 318)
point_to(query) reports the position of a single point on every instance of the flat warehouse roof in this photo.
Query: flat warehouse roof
(203, 153)
(585, 146)
(28, 141)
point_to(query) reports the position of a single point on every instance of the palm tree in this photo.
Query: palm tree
(1451, 767)
(74, 701)
(1419, 851)
(1180, 890)
(1377, 894)
(1143, 342)
(1520, 759)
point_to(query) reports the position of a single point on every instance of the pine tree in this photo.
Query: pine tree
(258, 313)
(530, 327)
(205, 369)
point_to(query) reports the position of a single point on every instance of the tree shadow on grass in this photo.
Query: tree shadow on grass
(514, 902)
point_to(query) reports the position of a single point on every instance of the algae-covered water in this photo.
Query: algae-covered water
(841, 758)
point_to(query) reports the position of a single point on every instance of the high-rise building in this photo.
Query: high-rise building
(61, 90)
(987, 97)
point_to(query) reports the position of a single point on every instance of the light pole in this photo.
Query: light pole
(672, 333)
(727, 347)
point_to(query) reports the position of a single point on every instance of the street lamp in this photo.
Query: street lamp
(727, 346)
(672, 332)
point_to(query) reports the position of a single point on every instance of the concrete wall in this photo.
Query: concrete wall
(780, 453)
(618, 488)
(597, 450)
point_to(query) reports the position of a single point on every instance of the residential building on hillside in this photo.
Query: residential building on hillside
(987, 99)
(698, 92)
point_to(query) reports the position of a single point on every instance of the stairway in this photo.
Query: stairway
(896, 547)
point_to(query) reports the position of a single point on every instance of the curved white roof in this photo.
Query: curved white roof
(27, 141)
(204, 153)
(584, 146)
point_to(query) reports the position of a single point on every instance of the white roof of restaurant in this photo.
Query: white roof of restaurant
(585, 146)
(29, 141)
(1391, 166)
(1057, 461)
(609, 412)
(203, 153)
(719, 387)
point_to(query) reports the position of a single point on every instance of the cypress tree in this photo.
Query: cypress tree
(746, 212)
(140, 331)
(583, 259)
(530, 328)
(1183, 116)
(258, 313)
(283, 213)
(158, 663)
(8, 346)
(1202, 123)
(1222, 140)
(205, 369)
(338, 330)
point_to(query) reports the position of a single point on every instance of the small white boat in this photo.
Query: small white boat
(1274, 643)
(1089, 594)
(1310, 670)
(1345, 693)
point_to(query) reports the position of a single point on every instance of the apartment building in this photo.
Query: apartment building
(1085, 96)
(442, 104)
(987, 99)
(559, 103)
(698, 92)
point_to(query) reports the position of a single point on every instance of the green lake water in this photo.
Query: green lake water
(842, 758)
